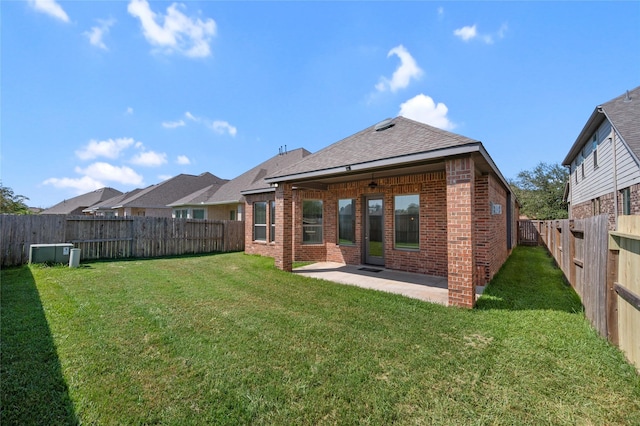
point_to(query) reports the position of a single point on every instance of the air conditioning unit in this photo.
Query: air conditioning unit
(50, 253)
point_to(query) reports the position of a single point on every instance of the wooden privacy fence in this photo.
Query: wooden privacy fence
(112, 238)
(604, 269)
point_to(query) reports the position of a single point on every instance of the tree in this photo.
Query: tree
(541, 191)
(12, 203)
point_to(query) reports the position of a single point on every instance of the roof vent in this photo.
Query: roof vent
(384, 125)
(627, 98)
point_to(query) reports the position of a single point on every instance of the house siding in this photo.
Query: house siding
(598, 181)
(491, 245)
(593, 193)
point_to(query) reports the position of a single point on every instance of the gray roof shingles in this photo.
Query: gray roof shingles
(77, 204)
(406, 137)
(251, 180)
(167, 192)
(625, 115)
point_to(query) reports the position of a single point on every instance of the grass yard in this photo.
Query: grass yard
(229, 339)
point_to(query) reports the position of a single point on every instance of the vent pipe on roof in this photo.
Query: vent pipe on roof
(627, 98)
(384, 125)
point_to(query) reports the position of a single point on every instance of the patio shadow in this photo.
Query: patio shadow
(32, 389)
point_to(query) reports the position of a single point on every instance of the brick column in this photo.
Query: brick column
(460, 232)
(284, 227)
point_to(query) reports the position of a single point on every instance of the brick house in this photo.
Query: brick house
(604, 161)
(400, 194)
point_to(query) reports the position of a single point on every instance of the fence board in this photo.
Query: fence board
(114, 238)
(629, 279)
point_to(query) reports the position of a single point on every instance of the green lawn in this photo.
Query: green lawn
(229, 339)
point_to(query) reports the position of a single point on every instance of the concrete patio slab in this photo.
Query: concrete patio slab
(418, 286)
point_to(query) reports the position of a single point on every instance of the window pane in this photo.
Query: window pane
(260, 221)
(272, 220)
(198, 213)
(346, 221)
(407, 221)
(260, 213)
(312, 221)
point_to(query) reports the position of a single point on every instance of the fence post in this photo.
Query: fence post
(612, 296)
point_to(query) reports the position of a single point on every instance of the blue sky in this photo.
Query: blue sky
(128, 93)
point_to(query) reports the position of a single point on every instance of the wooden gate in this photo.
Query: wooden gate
(528, 233)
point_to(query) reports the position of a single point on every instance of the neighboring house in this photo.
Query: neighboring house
(154, 200)
(105, 208)
(76, 205)
(226, 202)
(604, 161)
(401, 194)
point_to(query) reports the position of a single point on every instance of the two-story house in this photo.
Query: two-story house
(604, 161)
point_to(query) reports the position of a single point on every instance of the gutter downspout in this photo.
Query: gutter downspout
(614, 131)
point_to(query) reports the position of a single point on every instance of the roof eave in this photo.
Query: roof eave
(383, 162)
(258, 191)
(594, 121)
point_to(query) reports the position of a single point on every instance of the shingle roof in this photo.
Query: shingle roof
(167, 192)
(77, 204)
(623, 112)
(113, 201)
(406, 137)
(251, 180)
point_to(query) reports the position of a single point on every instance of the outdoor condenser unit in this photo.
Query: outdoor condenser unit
(52, 253)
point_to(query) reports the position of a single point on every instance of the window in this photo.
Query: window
(626, 201)
(407, 221)
(346, 221)
(272, 221)
(312, 221)
(232, 215)
(594, 147)
(260, 221)
(582, 167)
(181, 213)
(198, 213)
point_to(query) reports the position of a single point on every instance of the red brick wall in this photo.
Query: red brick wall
(258, 247)
(491, 229)
(467, 241)
(430, 259)
(461, 231)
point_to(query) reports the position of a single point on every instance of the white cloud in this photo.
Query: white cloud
(96, 34)
(173, 124)
(107, 172)
(81, 185)
(178, 33)
(223, 127)
(471, 32)
(440, 12)
(183, 160)
(51, 8)
(403, 75)
(190, 116)
(129, 111)
(110, 148)
(422, 108)
(149, 159)
(466, 33)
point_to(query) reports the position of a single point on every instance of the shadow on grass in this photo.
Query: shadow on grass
(529, 280)
(32, 388)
